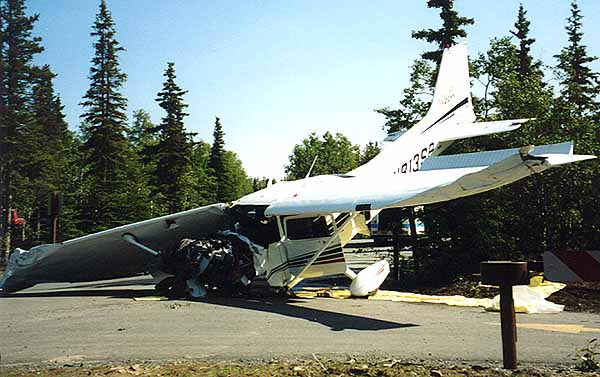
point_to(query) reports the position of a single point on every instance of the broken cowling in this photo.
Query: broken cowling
(223, 262)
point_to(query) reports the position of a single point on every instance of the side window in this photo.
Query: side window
(306, 228)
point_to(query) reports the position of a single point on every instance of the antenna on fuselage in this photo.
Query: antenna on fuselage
(312, 166)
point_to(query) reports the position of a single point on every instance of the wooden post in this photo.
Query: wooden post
(509, 327)
(506, 274)
(396, 242)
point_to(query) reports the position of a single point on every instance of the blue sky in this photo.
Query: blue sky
(274, 71)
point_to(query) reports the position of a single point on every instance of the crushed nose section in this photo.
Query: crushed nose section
(224, 262)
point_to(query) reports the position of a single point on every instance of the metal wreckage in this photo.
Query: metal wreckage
(218, 248)
(296, 229)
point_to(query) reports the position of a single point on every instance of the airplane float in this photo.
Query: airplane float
(296, 229)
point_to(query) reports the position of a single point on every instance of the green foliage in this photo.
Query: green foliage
(259, 183)
(217, 163)
(205, 179)
(114, 191)
(142, 132)
(226, 177)
(415, 99)
(17, 50)
(172, 152)
(554, 210)
(42, 172)
(579, 84)
(106, 172)
(588, 357)
(237, 182)
(526, 65)
(574, 116)
(369, 151)
(448, 34)
(335, 154)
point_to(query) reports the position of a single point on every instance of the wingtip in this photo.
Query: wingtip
(561, 159)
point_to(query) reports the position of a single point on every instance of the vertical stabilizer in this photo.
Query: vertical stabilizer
(452, 95)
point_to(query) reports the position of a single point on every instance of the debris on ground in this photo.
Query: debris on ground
(528, 299)
(576, 296)
(307, 367)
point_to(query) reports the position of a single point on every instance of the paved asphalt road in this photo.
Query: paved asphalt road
(68, 323)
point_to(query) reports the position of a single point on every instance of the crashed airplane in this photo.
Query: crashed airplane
(296, 230)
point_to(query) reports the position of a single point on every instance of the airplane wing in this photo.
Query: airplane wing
(442, 179)
(108, 254)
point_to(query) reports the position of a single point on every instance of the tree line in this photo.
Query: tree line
(109, 172)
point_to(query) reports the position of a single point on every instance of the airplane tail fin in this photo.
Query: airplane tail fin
(452, 95)
(450, 117)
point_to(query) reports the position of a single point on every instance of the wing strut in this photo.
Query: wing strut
(337, 232)
(130, 238)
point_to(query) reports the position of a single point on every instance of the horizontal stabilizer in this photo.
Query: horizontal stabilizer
(480, 159)
(504, 172)
(468, 130)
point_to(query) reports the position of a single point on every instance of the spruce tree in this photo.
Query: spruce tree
(48, 136)
(205, 180)
(217, 162)
(526, 66)
(17, 50)
(573, 200)
(579, 84)
(141, 133)
(114, 192)
(448, 34)
(174, 148)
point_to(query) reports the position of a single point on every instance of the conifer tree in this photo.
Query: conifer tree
(575, 113)
(205, 180)
(579, 84)
(525, 66)
(174, 148)
(48, 136)
(217, 162)
(141, 133)
(448, 34)
(114, 190)
(17, 50)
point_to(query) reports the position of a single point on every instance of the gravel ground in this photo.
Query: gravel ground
(285, 367)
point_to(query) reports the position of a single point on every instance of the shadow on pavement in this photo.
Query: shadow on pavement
(108, 293)
(270, 303)
(335, 321)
